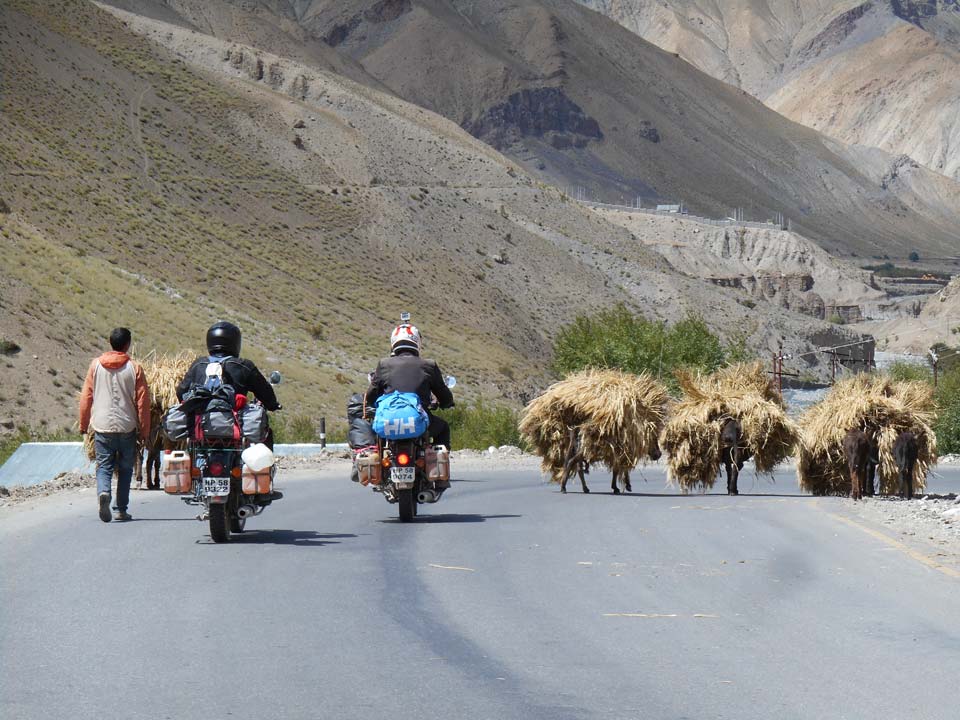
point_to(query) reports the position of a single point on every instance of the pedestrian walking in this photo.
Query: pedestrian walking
(115, 403)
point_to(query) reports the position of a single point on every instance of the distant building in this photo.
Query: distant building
(668, 208)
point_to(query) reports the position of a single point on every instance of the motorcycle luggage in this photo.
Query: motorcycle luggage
(361, 434)
(400, 416)
(176, 423)
(438, 463)
(368, 466)
(176, 472)
(220, 425)
(256, 482)
(253, 422)
(354, 407)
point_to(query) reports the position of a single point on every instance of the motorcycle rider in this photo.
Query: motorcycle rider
(406, 371)
(223, 344)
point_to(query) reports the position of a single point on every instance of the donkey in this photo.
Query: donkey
(155, 445)
(905, 451)
(573, 461)
(733, 453)
(860, 454)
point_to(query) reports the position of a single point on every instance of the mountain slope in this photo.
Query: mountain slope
(885, 74)
(578, 100)
(166, 183)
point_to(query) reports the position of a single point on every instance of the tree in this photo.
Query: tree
(914, 256)
(616, 338)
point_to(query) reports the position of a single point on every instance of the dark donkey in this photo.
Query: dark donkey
(733, 453)
(905, 451)
(857, 452)
(574, 462)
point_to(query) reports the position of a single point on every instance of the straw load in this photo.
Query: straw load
(883, 408)
(741, 392)
(619, 416)
(163, 373)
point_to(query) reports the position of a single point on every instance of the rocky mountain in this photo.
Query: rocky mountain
(159, 177)
(577, 100)
(882, 73)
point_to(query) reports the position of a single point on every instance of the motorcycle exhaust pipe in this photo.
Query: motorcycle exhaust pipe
(426, 496)
(245, 511)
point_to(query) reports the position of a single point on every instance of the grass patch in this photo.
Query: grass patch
(482, 424)
(890, 270)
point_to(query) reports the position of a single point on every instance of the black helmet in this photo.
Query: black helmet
(223, 338)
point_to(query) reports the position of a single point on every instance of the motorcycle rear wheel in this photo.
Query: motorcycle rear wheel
(407, 503)
(219, 525)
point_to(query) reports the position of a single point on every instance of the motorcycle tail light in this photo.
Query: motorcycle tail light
(403, 459)
(216, 469)
(195, 472)
(236, 472)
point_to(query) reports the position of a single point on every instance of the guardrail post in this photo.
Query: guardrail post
(323, 432)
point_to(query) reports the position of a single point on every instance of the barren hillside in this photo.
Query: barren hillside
(160, 178)
(885, 74)
(577, 100)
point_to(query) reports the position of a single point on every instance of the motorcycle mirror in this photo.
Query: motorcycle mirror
(276, 378)
(451, 381)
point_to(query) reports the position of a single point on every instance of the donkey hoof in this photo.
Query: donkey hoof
(616, 491)
(563, 491)
(587, 490)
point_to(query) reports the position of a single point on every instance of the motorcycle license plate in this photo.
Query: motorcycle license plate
(403, 474)
(216, 486)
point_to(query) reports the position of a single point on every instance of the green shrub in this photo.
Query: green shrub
(480, 425)
(947, 425)
(909, 371)
(293, 429)
(8, 347)
(617, 338)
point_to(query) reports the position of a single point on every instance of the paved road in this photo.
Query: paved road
(506, 600)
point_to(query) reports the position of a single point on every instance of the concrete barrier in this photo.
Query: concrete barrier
(34, 463)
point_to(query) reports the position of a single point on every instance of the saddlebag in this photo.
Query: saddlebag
(220, 424)
(368, 466)
(361, 434)
(438, 462)
(254, 422)
(176, 424)
(256, 482)
(176, 472)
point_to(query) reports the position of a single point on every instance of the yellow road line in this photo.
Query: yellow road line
(903, 547)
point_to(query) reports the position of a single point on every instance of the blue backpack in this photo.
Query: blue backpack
(400, 416)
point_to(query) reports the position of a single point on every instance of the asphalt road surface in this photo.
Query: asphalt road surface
(505, 600)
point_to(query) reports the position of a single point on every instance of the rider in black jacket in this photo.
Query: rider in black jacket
(223, 344)
(406, 371)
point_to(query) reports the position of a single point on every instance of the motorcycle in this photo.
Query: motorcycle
(223, 472)
(407, 472)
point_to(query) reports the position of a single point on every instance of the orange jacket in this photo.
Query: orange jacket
(115, 396)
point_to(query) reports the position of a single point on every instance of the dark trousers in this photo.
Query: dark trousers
(440, 431)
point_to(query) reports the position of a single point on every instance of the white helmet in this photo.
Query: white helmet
(405, 337)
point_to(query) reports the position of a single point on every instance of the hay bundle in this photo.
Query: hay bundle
(619, 416)
(692, 436)
(89, 447)
(883, 408)
(163, 374)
